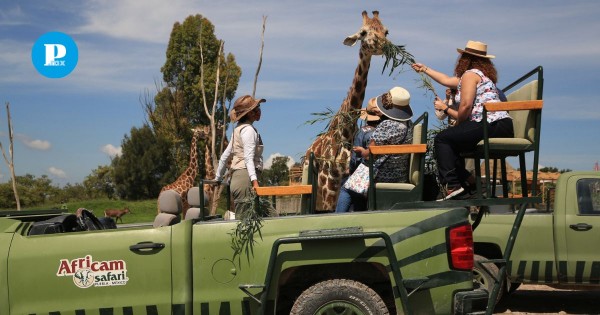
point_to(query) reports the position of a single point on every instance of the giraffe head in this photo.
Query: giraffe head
(201, 132)
(372, 35)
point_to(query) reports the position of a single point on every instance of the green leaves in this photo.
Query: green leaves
(396, 56)
(250, 215)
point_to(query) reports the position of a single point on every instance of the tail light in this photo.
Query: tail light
(461, 247)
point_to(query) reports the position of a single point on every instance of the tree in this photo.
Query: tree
(179, 104)
(145, 166)
(278, 174)
(33, 191)
(100, 183)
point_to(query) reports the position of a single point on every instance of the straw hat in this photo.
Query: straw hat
(395, 104)
(371, 112)
(475, 48)
(243, 105)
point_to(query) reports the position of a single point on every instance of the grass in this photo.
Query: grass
(141, 211)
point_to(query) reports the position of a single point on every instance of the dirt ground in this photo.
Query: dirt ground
(541, 299)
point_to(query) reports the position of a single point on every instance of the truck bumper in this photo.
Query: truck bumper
(470, 302)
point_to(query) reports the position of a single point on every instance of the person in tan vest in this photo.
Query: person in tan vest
(245, 150)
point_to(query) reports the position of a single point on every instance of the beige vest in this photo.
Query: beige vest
(237, 160)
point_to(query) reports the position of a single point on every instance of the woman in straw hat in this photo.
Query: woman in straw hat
(348, 199)
(245, 150)
(475, 79)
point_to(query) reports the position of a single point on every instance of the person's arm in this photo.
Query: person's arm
(250, 141)
(223, 162)
(356, 158)
(468, 89)
(441, 78)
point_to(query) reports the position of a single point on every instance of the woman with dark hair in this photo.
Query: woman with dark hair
(475, 79)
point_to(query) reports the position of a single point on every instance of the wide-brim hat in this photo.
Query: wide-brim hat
(395, 104)
(243, 105)
(476, 48)
(370, 112)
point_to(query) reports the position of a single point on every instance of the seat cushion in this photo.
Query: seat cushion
(395, 186)
(169, 201)
(193, 197)
(165, 219)
(500, 147)
(192, 213)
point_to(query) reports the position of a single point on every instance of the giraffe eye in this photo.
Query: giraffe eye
(363, 33)
(387, 32)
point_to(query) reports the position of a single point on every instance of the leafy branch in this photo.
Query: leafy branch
(398, 57)
(250, 217)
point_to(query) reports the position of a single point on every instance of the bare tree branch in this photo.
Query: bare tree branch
(11, 163)
(262, 40)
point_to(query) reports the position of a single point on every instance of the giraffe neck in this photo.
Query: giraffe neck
(345, 120)
(210, 171)
(192, 169)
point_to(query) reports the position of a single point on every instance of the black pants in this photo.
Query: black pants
(450, 142)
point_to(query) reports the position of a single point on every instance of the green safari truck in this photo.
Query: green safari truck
(377, 262)
(555, 246)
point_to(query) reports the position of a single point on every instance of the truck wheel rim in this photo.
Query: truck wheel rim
(339, 308)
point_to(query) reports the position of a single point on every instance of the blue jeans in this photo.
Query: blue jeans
(348, 199)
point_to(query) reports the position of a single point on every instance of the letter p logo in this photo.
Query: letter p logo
(54, 55)
(54, 51)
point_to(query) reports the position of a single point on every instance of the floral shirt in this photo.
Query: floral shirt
(486, 92)
(392, 168)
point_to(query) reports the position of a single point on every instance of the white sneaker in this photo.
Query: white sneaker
(453, 194)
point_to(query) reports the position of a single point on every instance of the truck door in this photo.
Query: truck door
(582, 231)
(91, 272)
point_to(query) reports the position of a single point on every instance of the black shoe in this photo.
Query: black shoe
(472, 189)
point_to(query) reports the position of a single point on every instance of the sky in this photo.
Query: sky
(66, 127)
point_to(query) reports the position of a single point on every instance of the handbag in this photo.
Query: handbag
(359, 180)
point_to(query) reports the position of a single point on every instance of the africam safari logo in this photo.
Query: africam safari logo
(86, 272)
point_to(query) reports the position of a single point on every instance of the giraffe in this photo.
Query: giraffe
(185, 181)
(213, 191)
(332, 148)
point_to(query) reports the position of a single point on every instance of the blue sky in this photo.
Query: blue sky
(67, 127)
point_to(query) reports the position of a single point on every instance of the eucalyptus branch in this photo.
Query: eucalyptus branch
(250, 217)
(398, 57)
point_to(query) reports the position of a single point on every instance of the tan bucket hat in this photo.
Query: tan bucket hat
(395, 104)
(370, 113)
(476, 48)
(243, 105)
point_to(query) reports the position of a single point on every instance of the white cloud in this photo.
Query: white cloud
(111, 150)
(57, 172)
(35, 144)
(12, 16)
(149, 21)
(269, 161)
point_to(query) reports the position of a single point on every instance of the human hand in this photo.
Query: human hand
(419, 67)
(438, 104)
(357, 150)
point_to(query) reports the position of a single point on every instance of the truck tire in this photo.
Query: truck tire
(513, 287)
(339, 296)
(485, 280)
